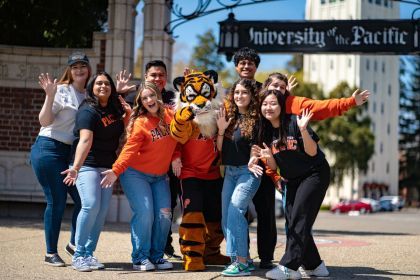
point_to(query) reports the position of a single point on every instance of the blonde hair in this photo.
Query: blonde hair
(139, 110)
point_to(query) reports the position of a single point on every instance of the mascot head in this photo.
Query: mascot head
(198, 91)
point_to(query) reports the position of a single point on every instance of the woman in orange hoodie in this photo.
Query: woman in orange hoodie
(143, 165)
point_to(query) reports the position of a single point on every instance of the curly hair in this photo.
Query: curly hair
(265, 129)
(247, 122)
(246, 54)
(278, 76)
(139, 110)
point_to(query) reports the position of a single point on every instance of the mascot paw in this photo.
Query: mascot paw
(185, 114)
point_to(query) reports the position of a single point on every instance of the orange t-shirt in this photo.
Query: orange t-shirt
(149, 148)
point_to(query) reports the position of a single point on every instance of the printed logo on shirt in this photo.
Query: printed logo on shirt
(291, 144)
(158, 133)
(107, 120)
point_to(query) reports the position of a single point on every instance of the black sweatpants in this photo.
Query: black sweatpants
(266, 223)
(303, 200)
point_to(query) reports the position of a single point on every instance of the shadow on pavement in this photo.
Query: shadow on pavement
(357, 272)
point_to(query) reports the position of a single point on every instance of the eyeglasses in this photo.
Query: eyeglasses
(105, 83)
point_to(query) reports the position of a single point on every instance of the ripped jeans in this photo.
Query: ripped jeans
(150, 200)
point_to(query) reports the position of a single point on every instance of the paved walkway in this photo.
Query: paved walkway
(377, 246)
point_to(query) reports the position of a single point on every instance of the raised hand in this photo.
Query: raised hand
(48, 85)
(126, 106)
(176, 166)
(291, 83)
(122, 82)
(303, 120)
(361, 97)
(108, 179)
(222, 123)
(71, 176)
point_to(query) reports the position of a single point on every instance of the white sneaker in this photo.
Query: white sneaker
(144, 265)
(320, 271)
(80, 264)
(163, 264)
(94, 263)
(282, 273)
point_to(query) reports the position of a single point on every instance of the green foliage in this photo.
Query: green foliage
(205, 54)
(51, 23)
(296, 63)
(348, 138)
(409, 123)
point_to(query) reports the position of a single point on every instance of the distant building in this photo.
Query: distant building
(377, 73)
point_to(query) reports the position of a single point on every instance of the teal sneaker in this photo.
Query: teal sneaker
(251, 266)
(236, 269)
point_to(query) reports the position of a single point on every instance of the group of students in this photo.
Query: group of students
(261, 128)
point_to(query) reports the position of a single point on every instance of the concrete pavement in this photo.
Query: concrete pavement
(376, 246)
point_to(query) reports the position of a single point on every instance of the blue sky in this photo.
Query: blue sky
(186, 34)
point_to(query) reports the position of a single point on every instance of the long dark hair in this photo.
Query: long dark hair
(265, 129)
(276, 75)
(114, 104)
(250, 118)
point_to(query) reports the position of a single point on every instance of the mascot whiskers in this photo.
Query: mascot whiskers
(195, 127)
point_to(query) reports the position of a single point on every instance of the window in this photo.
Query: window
(378, 2)
(367, 64)
(387, 168)
(388, 129)
(383, 67)
(389, 90)
(370, 1)
(322, 2)
(381, 148)
(349, 63)
(374, 88)
(382, 108)
(375, 66)
(386, 3)
(373, 166)
(331, 64)
(374, 107)
(373, 127)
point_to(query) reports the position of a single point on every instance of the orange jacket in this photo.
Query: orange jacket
(149, 149)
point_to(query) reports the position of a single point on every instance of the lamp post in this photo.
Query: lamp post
(228, 36)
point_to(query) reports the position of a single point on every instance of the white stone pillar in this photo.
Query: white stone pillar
(119, 52)
(157, 44)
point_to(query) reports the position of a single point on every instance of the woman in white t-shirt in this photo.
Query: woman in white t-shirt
(51, 150)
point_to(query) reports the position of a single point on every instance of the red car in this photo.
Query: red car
(351, 205)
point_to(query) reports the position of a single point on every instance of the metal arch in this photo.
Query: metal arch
(201, 10)
(412, 2)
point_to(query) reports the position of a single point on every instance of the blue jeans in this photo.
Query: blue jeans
(49, 158)
(150, 200)
(239, 187)
(95, 203)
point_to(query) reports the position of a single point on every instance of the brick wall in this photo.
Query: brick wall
(19, 123)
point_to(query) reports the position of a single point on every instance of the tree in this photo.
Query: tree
(409, 123)
(347, 138)
(51, 23)
(205, 57)
(296, 63)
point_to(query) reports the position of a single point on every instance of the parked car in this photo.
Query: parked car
(386, 205)
(351, 205)
(397, 201)
(373, 203)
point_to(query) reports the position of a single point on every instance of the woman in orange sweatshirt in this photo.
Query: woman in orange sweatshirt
(143, 165)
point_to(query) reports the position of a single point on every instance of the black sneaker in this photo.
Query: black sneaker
(70, 249)
(173, 256)
(54, 260)
(266, 264)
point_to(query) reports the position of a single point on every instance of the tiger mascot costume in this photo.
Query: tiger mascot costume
(194, 126)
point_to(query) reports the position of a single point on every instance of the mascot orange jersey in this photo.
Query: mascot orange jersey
(194, 124)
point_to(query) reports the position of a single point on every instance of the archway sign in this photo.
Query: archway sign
(320, 36)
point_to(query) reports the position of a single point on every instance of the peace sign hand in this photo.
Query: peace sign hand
(46, 83)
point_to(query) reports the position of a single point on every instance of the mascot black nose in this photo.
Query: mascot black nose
(201, 106)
